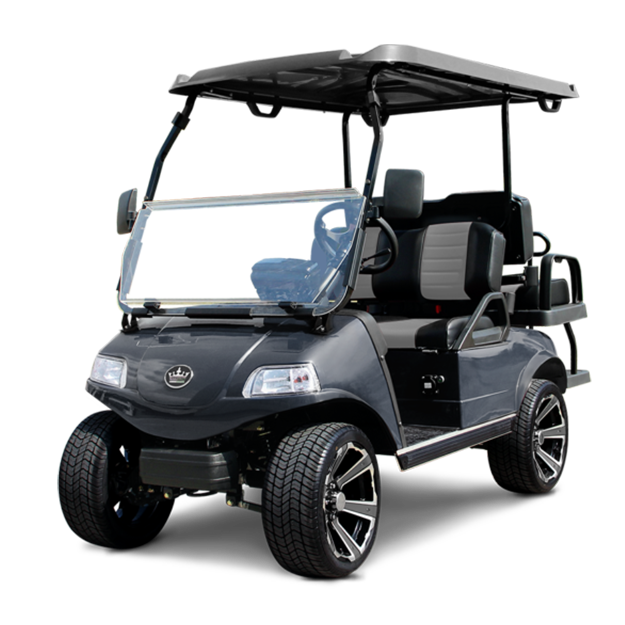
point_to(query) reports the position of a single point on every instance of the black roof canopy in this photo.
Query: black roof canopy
(410, 80)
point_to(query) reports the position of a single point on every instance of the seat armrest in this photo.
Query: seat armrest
(466, 338)
(546, 266)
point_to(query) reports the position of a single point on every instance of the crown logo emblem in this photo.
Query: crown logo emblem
(178, 376)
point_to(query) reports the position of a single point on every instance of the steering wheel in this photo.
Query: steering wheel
(545, 243)
(328, 241)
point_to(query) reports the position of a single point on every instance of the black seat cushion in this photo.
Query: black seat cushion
(527, 297)
(560, 292)
(406, 333)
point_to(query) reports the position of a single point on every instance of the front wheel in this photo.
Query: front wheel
(321, 500)
(102, 498)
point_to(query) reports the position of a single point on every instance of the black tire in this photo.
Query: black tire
(531, 458)
(95, 486)
(317, 522)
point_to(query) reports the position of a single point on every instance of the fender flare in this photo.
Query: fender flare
(542, 366)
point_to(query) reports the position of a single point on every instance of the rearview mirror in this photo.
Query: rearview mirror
(126, 211)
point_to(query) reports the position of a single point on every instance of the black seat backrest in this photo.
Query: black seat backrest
(491, 207)
(447, 265)
(403, 198)
(401, 207)
(442, 270)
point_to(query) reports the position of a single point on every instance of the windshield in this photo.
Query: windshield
(271, 254)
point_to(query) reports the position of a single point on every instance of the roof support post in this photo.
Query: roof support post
(505, 131)
(376, 150)
(347, 158)
(373, 106)
(180, 122)
(373, 118)
(373, 110)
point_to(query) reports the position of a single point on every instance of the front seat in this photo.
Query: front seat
(440, 276)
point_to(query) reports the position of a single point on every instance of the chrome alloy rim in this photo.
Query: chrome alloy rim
(350, 502)
(549, 442)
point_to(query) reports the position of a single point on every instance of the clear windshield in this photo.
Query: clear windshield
(277, 252)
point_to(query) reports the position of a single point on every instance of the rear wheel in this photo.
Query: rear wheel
(102, 498)
(321, 500)
(531, 458)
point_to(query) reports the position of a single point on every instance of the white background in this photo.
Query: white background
(48, 117)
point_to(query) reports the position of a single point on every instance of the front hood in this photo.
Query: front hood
(213, 353)
(222, 355)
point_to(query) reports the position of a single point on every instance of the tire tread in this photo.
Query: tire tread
(291, 499)
(83, 487)
(511, 457)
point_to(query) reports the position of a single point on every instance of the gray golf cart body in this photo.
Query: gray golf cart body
(414, 333)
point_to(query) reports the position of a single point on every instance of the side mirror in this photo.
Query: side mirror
(126, 211)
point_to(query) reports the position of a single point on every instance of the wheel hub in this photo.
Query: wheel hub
(350, 503)
(337, 501)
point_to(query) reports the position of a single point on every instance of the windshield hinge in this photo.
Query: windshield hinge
(152, 306)
(290, 307)
(129, 324)
(129, 320)
(322, 324)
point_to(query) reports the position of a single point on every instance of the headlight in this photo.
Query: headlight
(111, 371)
(292, 379)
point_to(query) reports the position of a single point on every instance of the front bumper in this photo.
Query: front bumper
(187, 468)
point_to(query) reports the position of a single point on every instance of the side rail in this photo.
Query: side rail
(470, 337)
(546, 267)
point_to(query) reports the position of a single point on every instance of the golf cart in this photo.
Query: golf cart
(331, 326)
